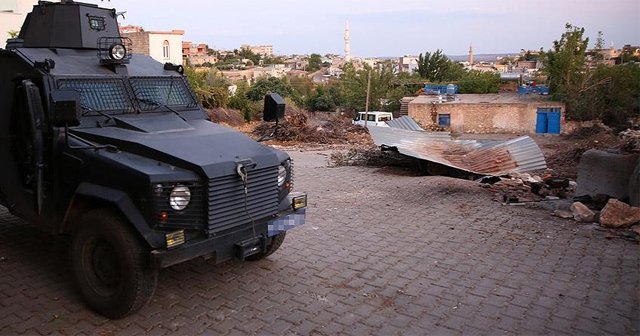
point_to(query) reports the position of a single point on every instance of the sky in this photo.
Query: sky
(385, 28)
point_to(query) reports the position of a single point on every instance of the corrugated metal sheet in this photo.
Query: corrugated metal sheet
(405, 122)
(517, 155)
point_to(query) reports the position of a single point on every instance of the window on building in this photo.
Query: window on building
(444, 120)
(165, 49)
(10, 6)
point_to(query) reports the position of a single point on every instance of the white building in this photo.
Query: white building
(408, 64)
(12, 14)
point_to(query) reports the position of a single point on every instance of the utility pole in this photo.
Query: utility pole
(366, 106)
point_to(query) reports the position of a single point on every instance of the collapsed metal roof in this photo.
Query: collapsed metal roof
(405, 122)
(496, 158)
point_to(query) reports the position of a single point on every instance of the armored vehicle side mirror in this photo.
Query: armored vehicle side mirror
(273, 107)
(66, 108)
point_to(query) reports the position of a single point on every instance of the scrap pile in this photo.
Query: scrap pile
(296, 127)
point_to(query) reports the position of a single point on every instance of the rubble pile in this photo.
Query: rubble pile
(296, 128)
(555, 194)
(631, 140)
(524, 188)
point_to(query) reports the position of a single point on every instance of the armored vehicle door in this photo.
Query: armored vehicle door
(27, 147)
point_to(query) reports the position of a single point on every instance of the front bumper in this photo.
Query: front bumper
(225, 247)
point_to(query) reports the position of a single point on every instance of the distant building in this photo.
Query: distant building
(470, 55)
(264, 50)
(408, 64)
(12, 14)
(631, 50)
(162, 46)
(249, 75)
(196, 54)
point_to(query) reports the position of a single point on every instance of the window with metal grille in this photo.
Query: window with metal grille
(99, 94)
(153, 92)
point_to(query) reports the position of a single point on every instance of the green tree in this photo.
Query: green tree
(303, 88)
(611, 94)
(395, 95)
(324, 98)
(436, 67)
(210, 88)
(315, 62)
(240, 102)
(248, 54)
(353, 86)
(565, 66)
(264, 85)
(475, 81)
(599, 47)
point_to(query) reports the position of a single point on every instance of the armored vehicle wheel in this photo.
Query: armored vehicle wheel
(110, 265)
(276, 242)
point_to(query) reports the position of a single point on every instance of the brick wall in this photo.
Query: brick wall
(140, 41)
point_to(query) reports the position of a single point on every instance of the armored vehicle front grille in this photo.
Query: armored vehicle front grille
(227, 199)
(192, 217)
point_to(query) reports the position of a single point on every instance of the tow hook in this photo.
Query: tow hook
(250, 247)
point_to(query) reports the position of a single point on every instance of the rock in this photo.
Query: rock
(635, 228)
(581, 213)
(563, 214)
(619, 214)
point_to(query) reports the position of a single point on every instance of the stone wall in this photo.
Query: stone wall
(482, 117)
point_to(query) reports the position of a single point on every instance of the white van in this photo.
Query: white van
(373, 118)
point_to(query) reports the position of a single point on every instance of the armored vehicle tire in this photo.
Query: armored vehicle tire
(110, 265)
(276, 242)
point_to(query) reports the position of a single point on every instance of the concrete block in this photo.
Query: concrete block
(601, 172)
(634, 187)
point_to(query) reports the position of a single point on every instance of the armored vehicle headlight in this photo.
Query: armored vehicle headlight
(117, 52)
(179, 197)
(282, 175)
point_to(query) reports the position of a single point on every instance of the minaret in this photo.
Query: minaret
(347, 43)
(470, 55)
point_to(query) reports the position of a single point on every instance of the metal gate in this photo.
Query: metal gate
(548, 120)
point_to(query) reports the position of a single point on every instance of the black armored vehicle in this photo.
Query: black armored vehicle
(113, 149)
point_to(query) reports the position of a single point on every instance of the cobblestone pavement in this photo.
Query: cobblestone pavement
(382, 253)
